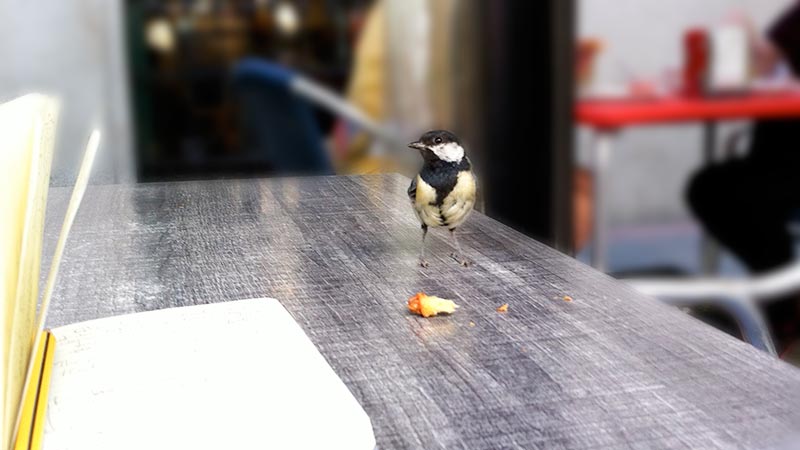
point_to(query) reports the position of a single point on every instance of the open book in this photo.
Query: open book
(228, 375)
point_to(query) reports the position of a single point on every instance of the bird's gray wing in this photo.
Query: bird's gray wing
(412, 189)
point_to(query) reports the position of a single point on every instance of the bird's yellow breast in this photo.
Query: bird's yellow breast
(425, 193)
(425, 204)
(455, 207)
(465, 187)
(459, 202)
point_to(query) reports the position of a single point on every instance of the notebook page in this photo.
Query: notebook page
(27, 129)
(229, 375)
(72, 209)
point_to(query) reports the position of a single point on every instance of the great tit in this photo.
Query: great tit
(443, 193)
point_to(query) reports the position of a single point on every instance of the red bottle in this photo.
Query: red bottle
(695, 62)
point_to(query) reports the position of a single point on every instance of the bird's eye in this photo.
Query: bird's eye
(438, 140)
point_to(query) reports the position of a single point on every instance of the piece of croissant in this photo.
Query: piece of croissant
(429, 305)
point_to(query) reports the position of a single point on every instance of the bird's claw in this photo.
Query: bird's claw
(461, 260)
(423, 262)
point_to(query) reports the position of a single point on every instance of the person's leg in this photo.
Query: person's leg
(745, 207)
(741, 206)
(774, 147)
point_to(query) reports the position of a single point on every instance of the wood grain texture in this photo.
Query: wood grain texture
(612, 368)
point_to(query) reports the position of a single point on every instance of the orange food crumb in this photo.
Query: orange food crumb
(503, 308)
(429, 305)
(567, 298)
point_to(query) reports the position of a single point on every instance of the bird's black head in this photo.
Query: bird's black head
(439, 145)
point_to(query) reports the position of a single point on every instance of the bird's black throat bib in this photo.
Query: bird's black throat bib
(443, 176)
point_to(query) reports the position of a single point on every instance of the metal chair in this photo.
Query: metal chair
(739, 297)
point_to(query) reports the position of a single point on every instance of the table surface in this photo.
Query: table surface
(612, 368)
(620, 113)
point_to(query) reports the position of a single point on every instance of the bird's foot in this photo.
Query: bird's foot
(423, 262)
(461, 260)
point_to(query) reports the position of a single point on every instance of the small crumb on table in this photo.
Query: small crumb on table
(503, 308)
(567, 298)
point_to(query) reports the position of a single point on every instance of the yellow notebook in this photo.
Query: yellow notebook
(27, 134)
(228, 375)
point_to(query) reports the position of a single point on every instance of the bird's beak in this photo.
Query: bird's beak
(417, 145)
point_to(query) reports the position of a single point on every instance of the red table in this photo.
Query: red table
(606, 117)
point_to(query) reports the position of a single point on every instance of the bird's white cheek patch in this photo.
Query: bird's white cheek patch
(450, 152)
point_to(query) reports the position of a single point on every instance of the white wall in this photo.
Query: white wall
(73, 49)
(651, 165)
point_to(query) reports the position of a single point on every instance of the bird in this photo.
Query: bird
(443, 193)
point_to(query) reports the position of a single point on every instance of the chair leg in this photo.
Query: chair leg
(600, 157)
(754, 328)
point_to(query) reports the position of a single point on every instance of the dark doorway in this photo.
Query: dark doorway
(528, 116)
(181, 54)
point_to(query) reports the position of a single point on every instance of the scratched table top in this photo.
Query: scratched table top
(611, 368)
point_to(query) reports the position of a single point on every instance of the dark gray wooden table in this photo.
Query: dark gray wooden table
(612, 368)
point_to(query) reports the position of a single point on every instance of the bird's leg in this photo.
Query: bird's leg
(458, 255)
(422, 261)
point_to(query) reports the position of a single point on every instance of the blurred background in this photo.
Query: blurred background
(208, 88)
(202, 89)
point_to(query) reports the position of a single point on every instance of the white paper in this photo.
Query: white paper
(238, 375)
